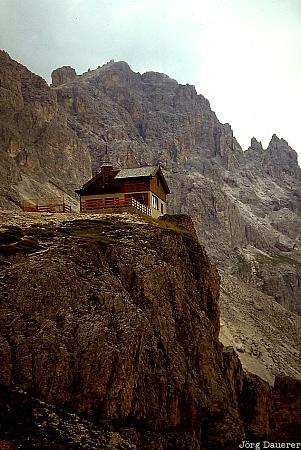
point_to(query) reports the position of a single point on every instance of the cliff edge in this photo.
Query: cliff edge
(112, 322)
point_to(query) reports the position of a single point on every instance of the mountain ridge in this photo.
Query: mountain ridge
(151, 75)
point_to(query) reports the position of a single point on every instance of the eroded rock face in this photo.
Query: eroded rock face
(277, 159)
(286, 410)
(122, 327)
(236, 199)
(41, 155)
(118, 319)
(53, 138)
(245, 207)
(62, 75)
(27, 422)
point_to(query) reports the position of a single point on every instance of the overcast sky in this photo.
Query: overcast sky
(243, 55)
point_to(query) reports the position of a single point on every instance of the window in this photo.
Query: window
(155, 202)
(162, 208)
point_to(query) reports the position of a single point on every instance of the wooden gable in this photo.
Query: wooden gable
(102, 182)
(110, 181)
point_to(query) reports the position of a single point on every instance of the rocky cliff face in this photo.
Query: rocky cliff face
(117, 319)
(40, 154)
(241, 203)
(245, 205)
(63, 75)
(146, 118)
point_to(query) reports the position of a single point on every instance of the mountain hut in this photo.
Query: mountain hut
(142, 188)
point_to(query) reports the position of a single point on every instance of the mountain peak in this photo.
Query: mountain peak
(121, 65)
(157, 77)
(281, 146)
(276, 140)
(256, 145)
(62, 75)
(282, 156)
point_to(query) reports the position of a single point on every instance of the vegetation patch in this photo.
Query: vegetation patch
(279, 258)
(92, 234)
(276, 259)
(167, 225)
(263, 259)
(108, 230)
(244, 266)
(87, 229)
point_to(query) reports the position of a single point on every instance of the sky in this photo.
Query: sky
(243, 55)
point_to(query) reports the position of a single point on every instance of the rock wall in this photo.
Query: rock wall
(117, 318)
(41, 156)
(62, 75)
(285, 418)
(51, 139)
(236, 199)
(245, 205)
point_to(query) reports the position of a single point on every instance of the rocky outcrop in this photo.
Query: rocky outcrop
(27, 422)
(118, 319)
(265, 335)
(246, 209)
(41, 156)
(285, 418)
(282, 158)
(236, 199)
(62, 75)
(123, 326)
(277, 160)
(52, 139)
